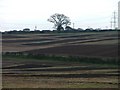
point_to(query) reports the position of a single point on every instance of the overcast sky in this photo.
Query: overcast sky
(20, 14)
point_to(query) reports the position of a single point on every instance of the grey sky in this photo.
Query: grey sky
(20, 14)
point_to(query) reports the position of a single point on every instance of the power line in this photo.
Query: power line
(113, 20)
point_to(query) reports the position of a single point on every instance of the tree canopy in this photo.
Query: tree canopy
(59, 21)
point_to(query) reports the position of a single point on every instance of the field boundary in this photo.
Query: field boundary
(79, 59)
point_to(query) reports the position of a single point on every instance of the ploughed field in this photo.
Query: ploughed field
(32, 73)
(84, 43)
(20, 72)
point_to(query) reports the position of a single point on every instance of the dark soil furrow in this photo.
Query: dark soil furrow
(63, 75)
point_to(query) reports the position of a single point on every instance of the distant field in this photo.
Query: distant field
(53, 69)
(84, 43)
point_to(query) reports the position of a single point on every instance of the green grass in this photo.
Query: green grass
(77, 59)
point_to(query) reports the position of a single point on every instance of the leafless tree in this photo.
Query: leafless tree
(59, 21)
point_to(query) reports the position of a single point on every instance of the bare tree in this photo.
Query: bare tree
(59, 21)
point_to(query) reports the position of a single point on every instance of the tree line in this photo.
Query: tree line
(61, 24)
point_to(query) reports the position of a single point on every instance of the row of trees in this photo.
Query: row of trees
(55, 31)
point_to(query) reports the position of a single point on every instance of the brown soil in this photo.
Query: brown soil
(81, 50)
